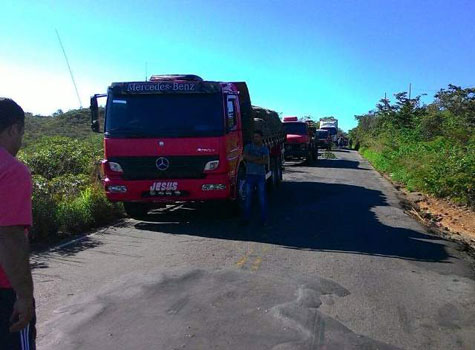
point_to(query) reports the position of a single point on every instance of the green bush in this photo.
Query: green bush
(102, 210)
(439, 167)
(56, 156)
(68, 186)
(91, 208)
(67, 197)
(429, 148)
(44, 210)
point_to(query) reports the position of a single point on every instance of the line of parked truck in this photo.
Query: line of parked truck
(304, 139)
(178, 138)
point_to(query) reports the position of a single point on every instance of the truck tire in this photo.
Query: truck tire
(136, 210)
(309, 157)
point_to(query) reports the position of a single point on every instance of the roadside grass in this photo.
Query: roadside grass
(328, 155)
(440, 167)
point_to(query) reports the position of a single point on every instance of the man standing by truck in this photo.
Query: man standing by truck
(17, 320)
(256, 155)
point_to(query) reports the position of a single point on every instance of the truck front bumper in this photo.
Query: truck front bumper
(213, 187)
(295, 151)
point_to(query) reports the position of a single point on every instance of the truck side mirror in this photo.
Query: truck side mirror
(95, 113)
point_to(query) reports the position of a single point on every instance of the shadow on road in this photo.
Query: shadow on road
(295, 163)
(343, 150)
(311, 216)
(326, 163)
(337, 164)
(64, 253)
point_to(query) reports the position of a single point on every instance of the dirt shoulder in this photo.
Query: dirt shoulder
(440, 216)
(452, 221)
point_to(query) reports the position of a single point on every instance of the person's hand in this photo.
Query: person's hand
(22, 314)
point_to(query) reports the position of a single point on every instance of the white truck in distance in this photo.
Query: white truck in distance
(330, 124)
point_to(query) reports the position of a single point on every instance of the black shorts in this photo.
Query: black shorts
(23, 340)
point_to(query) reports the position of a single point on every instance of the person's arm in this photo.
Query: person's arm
(14, 259)
(261, 160)
(249, 157)
(256, 159)
(264, 159)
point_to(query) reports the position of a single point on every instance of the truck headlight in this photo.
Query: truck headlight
(117, 189)
(213, 187)
(115, 167)
(212, 165)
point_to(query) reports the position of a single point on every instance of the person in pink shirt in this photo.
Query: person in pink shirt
(17, 311)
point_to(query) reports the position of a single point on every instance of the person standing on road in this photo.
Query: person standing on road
(17, 311)
(256, 155)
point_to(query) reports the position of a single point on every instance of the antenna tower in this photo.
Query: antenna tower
(69, 68)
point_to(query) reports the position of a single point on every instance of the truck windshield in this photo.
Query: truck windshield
(332, 131)
(322, 134)
(295, 128)
(167, 115)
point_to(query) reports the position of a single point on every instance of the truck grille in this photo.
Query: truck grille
(293, 147)
(180, 167)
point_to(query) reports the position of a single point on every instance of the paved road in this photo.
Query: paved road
(341, 268)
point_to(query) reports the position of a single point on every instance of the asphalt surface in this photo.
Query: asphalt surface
(341, 267)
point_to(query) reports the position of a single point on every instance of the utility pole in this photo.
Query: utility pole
(69, 68)
(410, 87)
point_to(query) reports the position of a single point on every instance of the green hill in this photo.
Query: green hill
(74, 123)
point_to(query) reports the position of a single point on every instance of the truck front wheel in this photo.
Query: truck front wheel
(309, 157)
(136, 210)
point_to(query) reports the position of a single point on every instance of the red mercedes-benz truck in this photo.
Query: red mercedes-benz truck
(177, 138)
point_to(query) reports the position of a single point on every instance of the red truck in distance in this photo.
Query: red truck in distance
(299, 143)
(177, 138)
(323, 139)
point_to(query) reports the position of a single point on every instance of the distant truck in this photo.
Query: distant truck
(178, 138)
(323, 139)
(330, 124)
(299, 143)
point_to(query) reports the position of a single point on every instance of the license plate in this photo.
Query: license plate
(168, 186)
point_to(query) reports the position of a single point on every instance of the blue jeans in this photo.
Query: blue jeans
(252, 182)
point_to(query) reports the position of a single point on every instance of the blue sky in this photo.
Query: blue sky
(300, 58)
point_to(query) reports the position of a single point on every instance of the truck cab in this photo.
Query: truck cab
(323, 139)
(331, 125)
(175, 138)
(299, 143)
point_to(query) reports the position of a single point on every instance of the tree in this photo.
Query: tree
(458, 101)
(58, 112)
